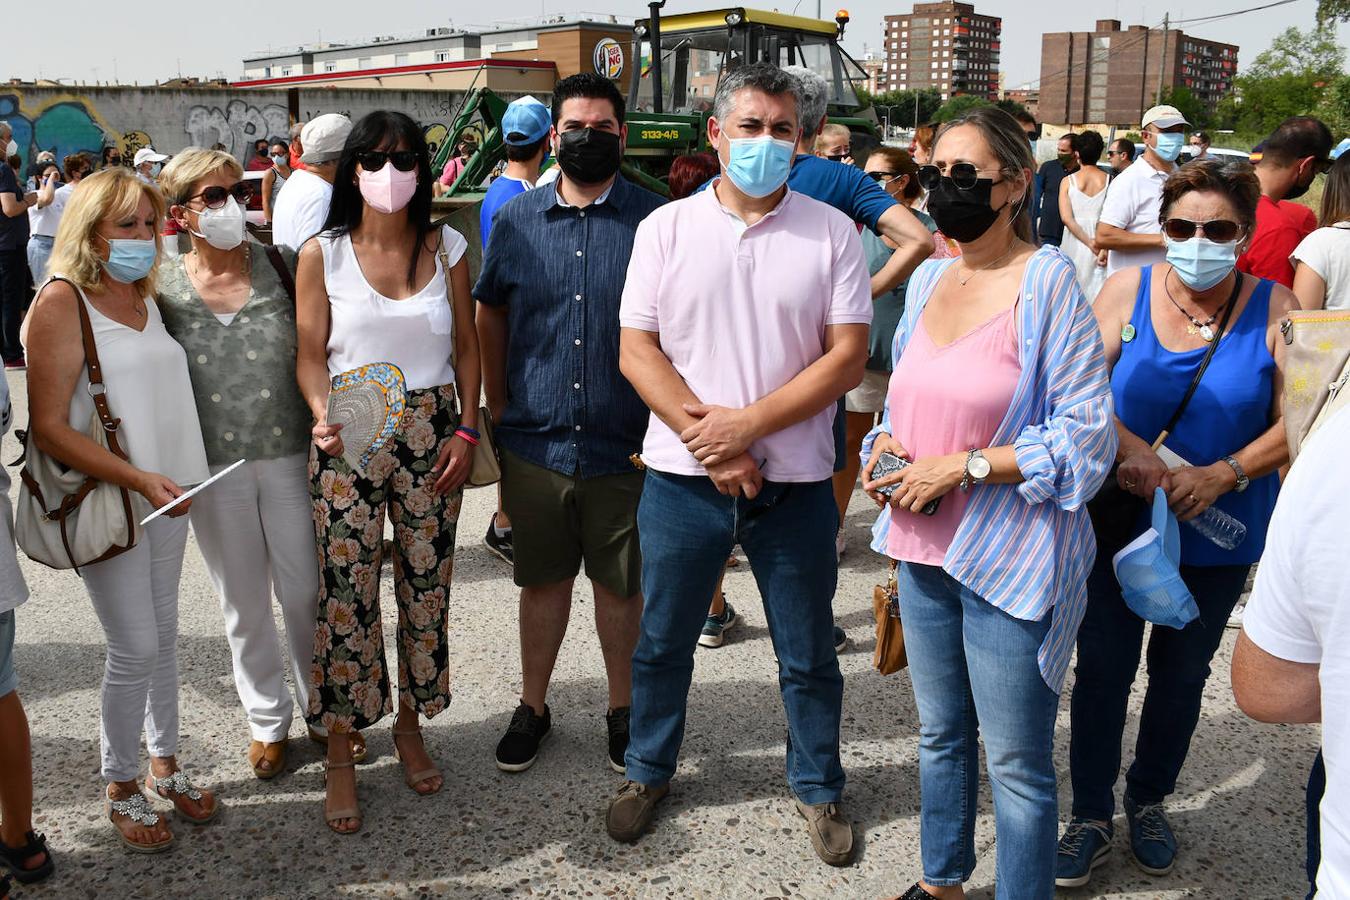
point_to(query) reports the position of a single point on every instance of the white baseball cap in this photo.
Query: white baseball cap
(148, 154)
(1164, 117)
(322, 137)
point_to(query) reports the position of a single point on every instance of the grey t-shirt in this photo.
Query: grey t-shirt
(243, 373)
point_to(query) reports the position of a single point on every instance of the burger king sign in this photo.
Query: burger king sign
(608, 58)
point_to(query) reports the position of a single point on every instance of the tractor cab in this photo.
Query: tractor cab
(697, 49)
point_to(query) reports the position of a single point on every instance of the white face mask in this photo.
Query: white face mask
(222, 228)
(12, 148)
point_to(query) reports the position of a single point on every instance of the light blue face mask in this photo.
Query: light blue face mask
(1201, 263)
(1148, 569)
(1169, 146)
(129, 260)
(759, 166)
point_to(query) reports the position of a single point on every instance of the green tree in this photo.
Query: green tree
(959, 106)
(900, 106)
(1332, 11)
(1291, 78)
(1011, 107)
(1188, 105)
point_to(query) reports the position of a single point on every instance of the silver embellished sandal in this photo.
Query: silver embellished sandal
(137, 809)
(176, 786)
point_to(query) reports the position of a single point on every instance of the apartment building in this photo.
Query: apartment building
(944, 46)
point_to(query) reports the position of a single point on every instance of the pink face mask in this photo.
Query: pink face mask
(387, 189)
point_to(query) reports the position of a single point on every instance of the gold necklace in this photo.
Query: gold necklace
(243, 268)
(974, 272)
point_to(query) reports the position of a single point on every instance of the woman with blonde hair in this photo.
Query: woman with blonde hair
(104, 263)
(230, 303)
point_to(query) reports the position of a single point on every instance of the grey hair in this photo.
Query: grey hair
(815, 97)
(763, 77)
(296, 129)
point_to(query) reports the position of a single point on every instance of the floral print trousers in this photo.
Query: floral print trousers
(349, 677)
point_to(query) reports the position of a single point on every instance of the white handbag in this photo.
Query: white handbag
(66, 519)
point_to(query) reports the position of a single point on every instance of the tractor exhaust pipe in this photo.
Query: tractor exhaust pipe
(654, 24)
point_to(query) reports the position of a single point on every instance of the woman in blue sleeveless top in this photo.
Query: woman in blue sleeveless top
(1157, 323)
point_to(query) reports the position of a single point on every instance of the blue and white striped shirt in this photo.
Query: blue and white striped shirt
(1027, 548)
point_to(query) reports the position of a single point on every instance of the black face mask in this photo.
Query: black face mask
(1298, 190)
(963, 216)
(588, 156)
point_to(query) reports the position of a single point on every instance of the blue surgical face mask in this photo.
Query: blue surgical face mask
(759, 166)
(280, 160)
(1201, 263)
(1169, 146)
(129, 260)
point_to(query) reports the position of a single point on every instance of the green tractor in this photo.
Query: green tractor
(677, 62)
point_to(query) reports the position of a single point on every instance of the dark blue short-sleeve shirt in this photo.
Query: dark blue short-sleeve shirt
(559, 270)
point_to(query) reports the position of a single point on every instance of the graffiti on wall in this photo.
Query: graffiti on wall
(63, 126)
(237, 126)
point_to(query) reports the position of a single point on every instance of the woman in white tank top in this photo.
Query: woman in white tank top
(1081, 196)
(107, 249)
(372, 288)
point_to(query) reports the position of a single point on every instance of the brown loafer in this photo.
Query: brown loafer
(831, 833)
(631, 812)
(358, 742)
(268, 760)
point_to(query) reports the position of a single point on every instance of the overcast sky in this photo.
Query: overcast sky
(154, 42)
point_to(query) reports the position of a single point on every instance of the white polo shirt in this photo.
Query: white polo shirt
(1133, 201)
(300, 209)
(1300, 611)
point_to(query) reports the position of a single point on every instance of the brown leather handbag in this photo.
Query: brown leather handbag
(889, 657)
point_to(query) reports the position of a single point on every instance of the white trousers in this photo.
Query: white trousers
(136, 598)
(255, 528)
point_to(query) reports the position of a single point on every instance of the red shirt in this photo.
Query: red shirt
(1280, 227)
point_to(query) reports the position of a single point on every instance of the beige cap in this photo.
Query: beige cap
(323, 136)
(1164, 117)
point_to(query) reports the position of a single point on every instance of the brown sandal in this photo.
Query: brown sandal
(357, 738)
(273, 753)
(412, 779)
(138, 810)
(352, 812)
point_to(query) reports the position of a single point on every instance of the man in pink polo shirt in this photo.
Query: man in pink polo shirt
(744, 318)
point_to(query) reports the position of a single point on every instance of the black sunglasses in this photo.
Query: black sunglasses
(374, 160)
(214, 196)
(837, 157)
(883, 176)
(963, 174)
(1221, 231)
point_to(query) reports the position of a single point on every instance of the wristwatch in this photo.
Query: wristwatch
(977, 469)
(1242, 479)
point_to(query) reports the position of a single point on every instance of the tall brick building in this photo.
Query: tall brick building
(1109, 76)
(945, 46)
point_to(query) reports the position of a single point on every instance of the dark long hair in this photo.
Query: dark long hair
(380, 128)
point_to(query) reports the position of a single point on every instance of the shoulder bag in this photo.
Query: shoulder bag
(485, 467)
(1316, 370)
(889, 656)
(67, 519)
(1115, 511)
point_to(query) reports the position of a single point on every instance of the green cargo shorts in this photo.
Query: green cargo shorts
(557, 521)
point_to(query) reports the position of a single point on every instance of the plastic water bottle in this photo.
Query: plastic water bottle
(1221, 528)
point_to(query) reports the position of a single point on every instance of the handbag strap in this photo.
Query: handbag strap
(283, 271)
(98, 391)
(444, 257)
(1204, 363)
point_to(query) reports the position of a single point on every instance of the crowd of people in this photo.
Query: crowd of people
(667, 380)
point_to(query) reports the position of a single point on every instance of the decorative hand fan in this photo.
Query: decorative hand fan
(368, 402)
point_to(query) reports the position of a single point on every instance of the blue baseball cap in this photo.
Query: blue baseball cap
(526, 121)
(1148, 569)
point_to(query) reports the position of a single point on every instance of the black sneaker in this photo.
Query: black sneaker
(502, 547)
(617, 722)
(519, 747)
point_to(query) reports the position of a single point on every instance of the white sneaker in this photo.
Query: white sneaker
(1235, 618)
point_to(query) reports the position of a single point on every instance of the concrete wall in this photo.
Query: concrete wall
(65, 120)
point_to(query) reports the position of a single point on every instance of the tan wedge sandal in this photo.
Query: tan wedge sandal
(337, 815)
(412, 779)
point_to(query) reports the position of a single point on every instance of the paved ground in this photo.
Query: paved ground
(728, 829)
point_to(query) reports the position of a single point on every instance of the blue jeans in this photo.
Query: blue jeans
(1109, 644)
(974, 668)
(39, 251)
(687, 531)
